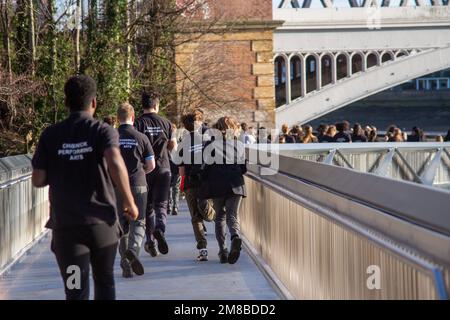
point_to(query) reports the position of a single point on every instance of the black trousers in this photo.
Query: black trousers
(77, 248)
(157, 202)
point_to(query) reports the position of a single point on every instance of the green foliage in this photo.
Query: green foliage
(120, 74)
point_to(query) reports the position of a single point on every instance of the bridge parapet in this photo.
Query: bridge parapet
(323, 230)
(23, 209)
(367, 17)
(421, 162)
(355, 4)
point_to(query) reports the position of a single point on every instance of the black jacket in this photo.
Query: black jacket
(226, 177)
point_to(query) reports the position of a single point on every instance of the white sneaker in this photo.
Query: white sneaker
(203, 255)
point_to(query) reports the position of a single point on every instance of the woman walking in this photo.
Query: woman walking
(223, 182)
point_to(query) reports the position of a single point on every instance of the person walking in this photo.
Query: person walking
(175, 183)
(309, 136)
(447, 137)
(329, 134)
(246, 137)
(341, 135)
(358, 134)
(79, 159)
(223, 182)
(190, 159)
(285, 135)
(139, 159)
(159, 132)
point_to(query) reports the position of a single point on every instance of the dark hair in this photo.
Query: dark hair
(322, 128)
(109, 120)
(391, 128)
(357, 130)
(79, 91)
(244, 126)
(340, 127)
(346, 125)
(150, 100)
(189, 119)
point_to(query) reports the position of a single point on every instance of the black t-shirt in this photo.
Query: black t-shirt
(326, 139)
(159, 132)
(135, 149)
(190, 156)
(413, 138)
(81, 190)
(342, 137)
(359, 138)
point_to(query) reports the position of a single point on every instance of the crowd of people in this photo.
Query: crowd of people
(338, 133)
(113, 183)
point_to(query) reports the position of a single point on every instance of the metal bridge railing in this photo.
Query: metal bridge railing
(426, 163)
(23, 209)
(323, 229)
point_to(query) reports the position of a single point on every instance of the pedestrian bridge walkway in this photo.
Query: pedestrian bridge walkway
(366, 221)
(167, 277)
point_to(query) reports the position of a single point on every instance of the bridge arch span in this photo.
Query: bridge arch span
(327, 64)
(386, 56)
(401, 53)
(358, 86)
(296, 82)
(312, 72)
(357, 62)
(280, 72)
(342, 61)
(373, 59)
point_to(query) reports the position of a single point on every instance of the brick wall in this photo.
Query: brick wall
(235, 67)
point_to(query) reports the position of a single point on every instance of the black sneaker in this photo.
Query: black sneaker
(126, 269)
(203, 255)
(223, 256)
(135, 264)
(162, 243)
(175, 212)
(236, 246)
(151, 249)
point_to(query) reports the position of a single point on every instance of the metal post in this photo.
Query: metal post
(428, 175)
(303, 77)
(288, 80)
(334, 69)
(318, 73)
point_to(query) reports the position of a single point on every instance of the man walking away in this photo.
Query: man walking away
(223, 182)
(73, 158)
(139, 160)
(190, 152)
(159, 132)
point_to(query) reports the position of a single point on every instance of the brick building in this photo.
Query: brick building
(228, 69)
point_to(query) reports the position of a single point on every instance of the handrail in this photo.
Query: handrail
(14, 181)
(411, 222)
(432, 269)
(24, 210)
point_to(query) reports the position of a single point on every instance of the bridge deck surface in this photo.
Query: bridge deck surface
(175, 276)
